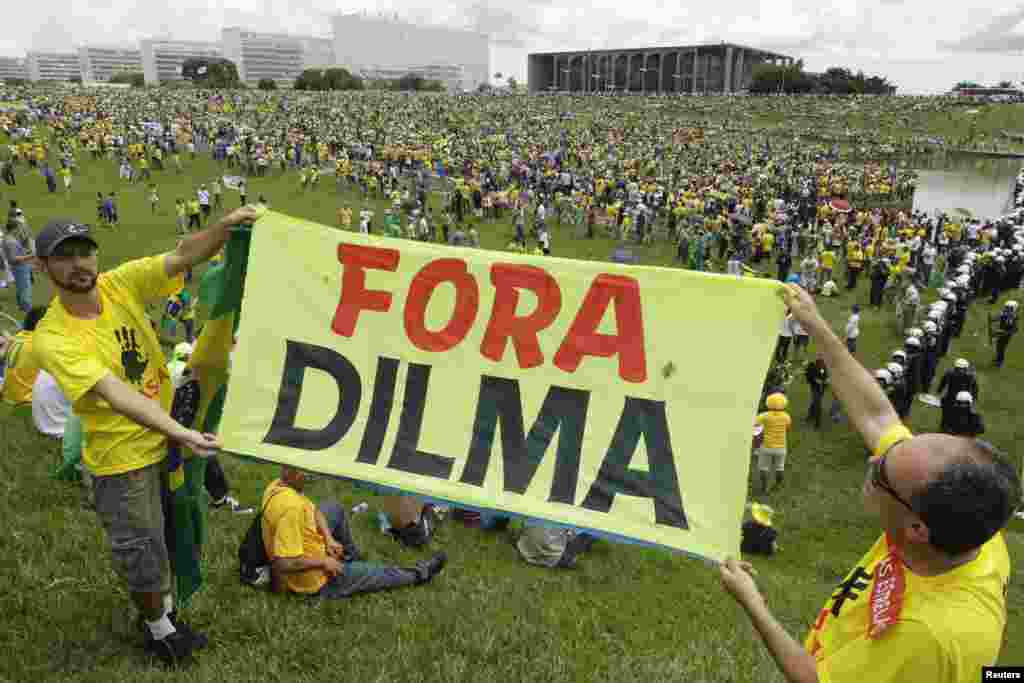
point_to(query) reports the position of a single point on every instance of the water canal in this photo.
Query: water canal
(982, 186)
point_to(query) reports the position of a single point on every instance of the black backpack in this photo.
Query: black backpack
(253, 561)
(419, 533)
(758, 539)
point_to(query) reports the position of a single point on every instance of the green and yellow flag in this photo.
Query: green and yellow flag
(198, 404)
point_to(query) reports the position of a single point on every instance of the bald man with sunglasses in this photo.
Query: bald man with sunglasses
(928, 600)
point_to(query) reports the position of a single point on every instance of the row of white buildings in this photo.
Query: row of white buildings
(372, 46)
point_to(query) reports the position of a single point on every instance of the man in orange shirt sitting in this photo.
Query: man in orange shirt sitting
(312, 551)
(928, 600)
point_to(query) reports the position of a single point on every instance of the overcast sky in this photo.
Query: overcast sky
(921, 45)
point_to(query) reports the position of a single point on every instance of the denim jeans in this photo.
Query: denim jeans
(23, 284)
(360, 577)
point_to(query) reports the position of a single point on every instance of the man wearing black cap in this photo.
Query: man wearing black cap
(97, 342)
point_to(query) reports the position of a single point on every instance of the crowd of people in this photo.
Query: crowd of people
(723, 197)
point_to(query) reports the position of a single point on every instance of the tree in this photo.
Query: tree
(310, 79)
(410, 81)
(211, 72)
(512, 83)
(75, 79)
(1005, 84)
(132, 78)
(498, 76)
(14, 82)
(267, 84)
(484, 88)
(963, 85)
(337, 78)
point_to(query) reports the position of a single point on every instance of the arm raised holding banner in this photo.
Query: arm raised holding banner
(873, 627)
(863, 399)
(202, 246)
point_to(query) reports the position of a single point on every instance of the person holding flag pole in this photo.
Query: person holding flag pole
(97, 342)
(928, 600)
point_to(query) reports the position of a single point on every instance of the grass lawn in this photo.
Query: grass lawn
(626, 614)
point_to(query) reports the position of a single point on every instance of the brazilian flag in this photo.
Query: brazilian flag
(198, 404)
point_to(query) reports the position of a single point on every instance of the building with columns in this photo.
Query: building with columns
(694, 69)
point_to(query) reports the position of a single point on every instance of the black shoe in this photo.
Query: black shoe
(199, 640)
(430, 568)
(174, 651)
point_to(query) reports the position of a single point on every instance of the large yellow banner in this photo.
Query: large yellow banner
(606, 397)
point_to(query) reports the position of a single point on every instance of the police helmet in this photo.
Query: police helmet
(961, 363)
(930, 327)
(964, 397)
(913, 343)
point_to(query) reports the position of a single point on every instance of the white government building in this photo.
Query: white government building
(162, 58)
(99, 64)
(13, 67)
(53, 66)
(374, 46)
(277, 56)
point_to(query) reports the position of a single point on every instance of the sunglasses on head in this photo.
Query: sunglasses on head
(876, 472)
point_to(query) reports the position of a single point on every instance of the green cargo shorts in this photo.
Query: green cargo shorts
(131, 508)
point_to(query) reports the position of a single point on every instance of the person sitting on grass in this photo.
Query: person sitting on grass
(928, 600)
(550, 546)
(312, 551)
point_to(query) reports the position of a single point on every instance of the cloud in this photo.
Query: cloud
(913, 41)
(997, 36)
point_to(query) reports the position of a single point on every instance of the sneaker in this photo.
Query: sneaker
(430, 568)
(197, 640)
(174, 651)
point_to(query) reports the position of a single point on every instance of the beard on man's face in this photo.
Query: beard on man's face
(78, 281)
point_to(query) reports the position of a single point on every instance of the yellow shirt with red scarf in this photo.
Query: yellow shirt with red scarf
(885, 623)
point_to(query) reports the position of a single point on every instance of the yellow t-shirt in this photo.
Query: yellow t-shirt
(289, 531)
(776, 424)
(949, 627)
(22, 369)
(828, 259)
(121, 341)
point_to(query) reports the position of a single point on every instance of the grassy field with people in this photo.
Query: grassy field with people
(626, 614)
